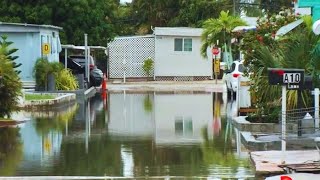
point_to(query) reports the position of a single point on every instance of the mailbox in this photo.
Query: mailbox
(292, 78)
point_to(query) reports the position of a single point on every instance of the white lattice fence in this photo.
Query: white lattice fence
(128, 54)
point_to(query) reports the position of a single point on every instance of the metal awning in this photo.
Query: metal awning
(71, 46)
(289, 27)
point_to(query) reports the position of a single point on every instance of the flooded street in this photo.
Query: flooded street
(164, 135)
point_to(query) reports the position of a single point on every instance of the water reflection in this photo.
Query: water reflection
(134, 135)
(10, 150)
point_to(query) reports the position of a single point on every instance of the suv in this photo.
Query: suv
(232, 76)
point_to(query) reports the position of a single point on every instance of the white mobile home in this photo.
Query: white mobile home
(175, 51)
(177, 54)
(32, 41)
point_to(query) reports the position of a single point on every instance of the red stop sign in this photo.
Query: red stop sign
(215, 51)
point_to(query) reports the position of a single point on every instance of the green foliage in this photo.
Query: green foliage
(138, 16)
(293, 50)
(265, 34)
(192, 13)
(218, 150)
(78, 17)
(40, 72)
(75, 16)
(219, 29)
(9, 51)
(10, 84)
(274, 6)
(57, 123)
(33, 96)
(65, 80)
(148, 65)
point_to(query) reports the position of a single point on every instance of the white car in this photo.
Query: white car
(232, 76)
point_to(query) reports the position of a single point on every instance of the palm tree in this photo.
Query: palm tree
(219, 29)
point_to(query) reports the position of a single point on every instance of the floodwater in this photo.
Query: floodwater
(159, 135)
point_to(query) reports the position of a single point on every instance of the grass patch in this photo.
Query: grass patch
(5, 120)
(30, 97)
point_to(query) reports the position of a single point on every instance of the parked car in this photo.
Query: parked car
(232, 76)
(80, 59)
(77, 65)
(96, 77)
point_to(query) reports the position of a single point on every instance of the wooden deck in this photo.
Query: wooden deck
(273, 162)
(305, 167)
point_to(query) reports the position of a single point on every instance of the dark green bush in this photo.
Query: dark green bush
(270, 116)
(10, 84)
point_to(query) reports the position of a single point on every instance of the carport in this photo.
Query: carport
(87, 50)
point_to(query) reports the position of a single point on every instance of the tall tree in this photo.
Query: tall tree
(78, 17)
(193, 13)
(274, 6)
(75, 16)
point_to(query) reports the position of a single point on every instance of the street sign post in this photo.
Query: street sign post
(215, 51)
(216, 62)
(217, 66)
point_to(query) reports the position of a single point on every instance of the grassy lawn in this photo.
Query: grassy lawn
(30, 97)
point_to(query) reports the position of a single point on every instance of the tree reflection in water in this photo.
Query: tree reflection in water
(218, 150)
(46, 124)
(10, 150)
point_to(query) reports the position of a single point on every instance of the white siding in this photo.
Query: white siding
(172, 63)
(128, 116)
(170, 108)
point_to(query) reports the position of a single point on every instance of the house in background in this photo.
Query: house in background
(33, 42)
(175, 51)
(177, 54)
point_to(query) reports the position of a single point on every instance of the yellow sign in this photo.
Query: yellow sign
(46, 48)
(47, 145)
(217, 66)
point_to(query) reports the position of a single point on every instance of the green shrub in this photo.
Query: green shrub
(65, 80)
(40, 72)
(148, 66)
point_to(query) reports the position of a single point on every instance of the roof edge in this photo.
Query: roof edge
(32, 25)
